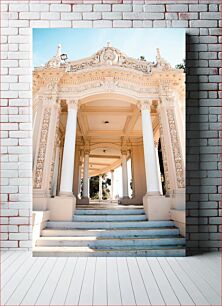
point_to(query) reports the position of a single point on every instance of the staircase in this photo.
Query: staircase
(110, 230)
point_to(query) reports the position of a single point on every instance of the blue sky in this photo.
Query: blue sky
(79, 43)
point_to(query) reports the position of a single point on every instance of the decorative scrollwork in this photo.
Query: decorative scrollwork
(38, 176)
(176, 149)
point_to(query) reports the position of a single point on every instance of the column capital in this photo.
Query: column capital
(124, 151)
(144, 105)
(73, 104)
(86, 151)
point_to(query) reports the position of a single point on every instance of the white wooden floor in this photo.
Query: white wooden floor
(110, 281)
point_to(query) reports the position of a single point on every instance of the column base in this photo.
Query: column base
(124, 200)
(157, 207)
(179, 218)
(65, 194)
(40, 200)
(83, 200)
(62, 208)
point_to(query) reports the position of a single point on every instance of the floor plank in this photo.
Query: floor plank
(12, 270)
(61, 290)
(212, 278)
(39, 282)
(46, 294)
(75, 286)
(110, 281)
(5, 255)
(100, 284)
(113, 286)
(166, 289)
(23, 287)
(139, 289)
(180, 291)
(210, 294)
(86, 295)
(153, 290)
(126, 289)
(190, 286)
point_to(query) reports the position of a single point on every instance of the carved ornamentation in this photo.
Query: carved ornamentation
(176, 149)
(112, 57)
(38, 176)
(165, 164)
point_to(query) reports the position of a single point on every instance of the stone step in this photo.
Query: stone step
(108, 225)
(109, 218)
(177, 251)
(111, 233)
(110, 211)
(109, 243)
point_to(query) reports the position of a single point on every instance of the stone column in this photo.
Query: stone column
(100, 187)
(55, 172)
(69, 150)
(152, 181)
(171, 147)
(86, 175)
(112, 196)
(124, 174)
(79, 179)
(158, 167)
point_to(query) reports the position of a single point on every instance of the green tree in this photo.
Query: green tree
(94, 187)
(181, 66)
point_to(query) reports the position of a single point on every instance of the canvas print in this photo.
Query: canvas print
(109, 142)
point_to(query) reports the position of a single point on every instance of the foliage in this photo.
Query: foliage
(94, 187)
(181, 66)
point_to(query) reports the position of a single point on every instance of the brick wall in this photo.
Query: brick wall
(202, 20)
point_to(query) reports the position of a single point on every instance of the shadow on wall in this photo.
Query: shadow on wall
(193, 171)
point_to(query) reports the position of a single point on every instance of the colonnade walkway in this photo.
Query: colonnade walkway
(26, 280)
(109, 229)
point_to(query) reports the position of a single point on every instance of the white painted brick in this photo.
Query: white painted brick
(39, 7)
(13, 47)
(29, 15)
(19, 39)
(19, 86)
(9, 142)
(4, 7)
(212, 15)
(92, 15)
(9, 173)
(9, 189)
(83, 8)
(71, 16)
(39, 24)
(122, 23)
(19, 118)
(138, 15)
(101, 7)
(138, 23)
(203, 23)
(20, 71)
(177, 8)
(102, 23)
(10, 78)
(19, 55)
(24, 165)
(180, 23)
(13, 158)
(18, 236)
(9, 63)
(19, 23)
(122, 8)
(154, 8)
(9, 15)
(24, 212)
(13, 110)
(19, 134)
(50, 16)
(9, 244)
(9, 126)
(17, 150)
(60, 7)
(4, 24)
(25, 126)
(19, 102)
(9, 94)
(60, 24)
(18, 7)
(197, 7)
(9, 212)
(82, 24)
(25, 244)
(112, 15)
(4, 220)
(9, 31)
(137, 8)
(25, 229)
